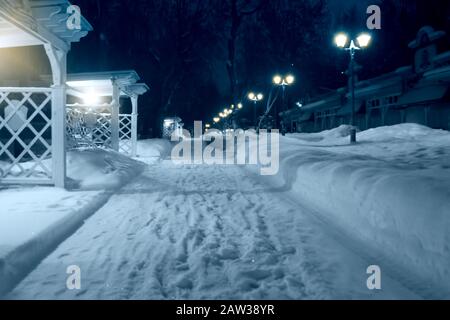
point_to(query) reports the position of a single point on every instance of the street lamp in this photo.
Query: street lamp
(362, 41)
(255, 97)
(283, 82)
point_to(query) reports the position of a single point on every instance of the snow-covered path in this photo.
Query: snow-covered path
(205, 232)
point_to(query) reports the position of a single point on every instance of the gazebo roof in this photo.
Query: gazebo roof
(38, 22)
(101, 85)
(137, 89)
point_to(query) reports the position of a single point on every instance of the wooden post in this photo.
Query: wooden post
(134, 124)
(115, 109)
(58, 62)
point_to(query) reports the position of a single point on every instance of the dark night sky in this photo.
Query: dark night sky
(180, 47)
(282, 36)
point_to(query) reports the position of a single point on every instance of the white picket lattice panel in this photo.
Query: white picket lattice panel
(88, 129)
(125, 134)
(25, 135)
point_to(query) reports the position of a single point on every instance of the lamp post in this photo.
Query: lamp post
(361, 42)
(283, 82)
(255, 97)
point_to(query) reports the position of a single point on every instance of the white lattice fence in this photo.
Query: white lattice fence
(91, 129)
(25, 135)
(125, 134)
(87, 128)
(102, 131)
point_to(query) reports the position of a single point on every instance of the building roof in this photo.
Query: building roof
(38, 22)
(101, 83)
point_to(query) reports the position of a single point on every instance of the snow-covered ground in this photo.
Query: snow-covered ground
(34, 220)
(392, 191)
(207, 232)
(153, 150)
(27, 211)
(194, 232)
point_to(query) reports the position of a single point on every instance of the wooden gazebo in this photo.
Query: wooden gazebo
(96, 118)
(35, 118)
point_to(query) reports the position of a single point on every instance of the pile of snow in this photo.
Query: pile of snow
(324, 136)
(391, 190)
(153, 150)
(90, 169)
(100, 169)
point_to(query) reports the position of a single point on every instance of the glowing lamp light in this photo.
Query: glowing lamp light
(168, 123)
(277, 80)
(364, 40)
(207, 126)
(251, 96)
(290, 79)
(260, 96)
(341, 40)
(216, 120)
(91, 99)
(240, 106)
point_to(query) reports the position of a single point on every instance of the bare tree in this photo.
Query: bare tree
(238, 10)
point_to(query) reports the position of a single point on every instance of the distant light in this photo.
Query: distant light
(168, 123)
(240, 105)
(290, 79)
(364, 40)
(341, 40)
(277, 80)
(299, 104)
(255, 97)
(207, 125)
(216, 120)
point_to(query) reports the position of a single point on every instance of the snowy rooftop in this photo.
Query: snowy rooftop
(37, 22)
(101, 84)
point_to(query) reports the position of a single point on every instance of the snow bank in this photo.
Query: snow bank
(392, 190)
(92, 169)
(35, 220)
(100, 169)
(153, 150)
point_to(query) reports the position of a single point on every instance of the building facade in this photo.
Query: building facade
(418, 93)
